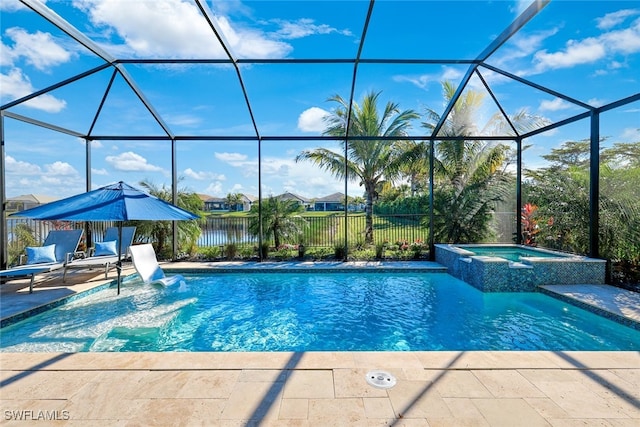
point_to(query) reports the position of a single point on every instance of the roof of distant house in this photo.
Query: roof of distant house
(32, 198)
(291, 196)
(335, 197)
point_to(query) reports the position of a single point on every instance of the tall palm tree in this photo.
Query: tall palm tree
(368, 161)
(159, 231)
(233, 200)
(469, 173)
(280, 218)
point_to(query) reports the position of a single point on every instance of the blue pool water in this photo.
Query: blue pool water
(509, 253)
(308, 312)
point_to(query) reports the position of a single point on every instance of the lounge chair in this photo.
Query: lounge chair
(54, 253)
(104, 254)
(146, 264)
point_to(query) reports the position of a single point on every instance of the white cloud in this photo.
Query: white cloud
(102, 172)
(630, 135)
(237, 188)
(58, 178)
(131, 162)
(201, 176)
(424, 80)
(60, 169)
(6, 55)
(39, 49)
(577, 52)
(522, 45)
(305, 27)
(624, 41)
(215, 188)
(184, 120)
(231, 158)
(172, 28)
(555, 104)
(589, 50)
(520, 6)
(13, 5)
(312, 120)
(610, 20)
(18, 167)
(596, 102)
(249, 43)
(15, 85)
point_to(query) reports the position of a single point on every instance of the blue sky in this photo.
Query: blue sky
(588, 50)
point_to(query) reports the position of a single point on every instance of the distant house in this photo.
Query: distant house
(27, 201)
(302, 201)
(247, 201)
(220, 204)
(332, 202)
(216, 204)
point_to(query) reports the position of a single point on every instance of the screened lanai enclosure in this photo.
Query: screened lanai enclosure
(353, 125)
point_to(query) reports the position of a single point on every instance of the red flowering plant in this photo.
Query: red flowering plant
(530, 226)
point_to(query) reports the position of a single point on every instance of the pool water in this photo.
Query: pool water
(509, 253)
(315, 312)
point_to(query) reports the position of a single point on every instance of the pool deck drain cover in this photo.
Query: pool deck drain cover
(381, 379)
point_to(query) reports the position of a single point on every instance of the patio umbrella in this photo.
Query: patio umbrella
(116, 202)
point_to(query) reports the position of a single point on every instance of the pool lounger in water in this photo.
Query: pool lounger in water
(146, 264)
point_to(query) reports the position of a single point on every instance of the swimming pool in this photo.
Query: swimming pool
(315, 312)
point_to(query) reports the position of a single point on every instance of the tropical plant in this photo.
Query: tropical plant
(23, 236)
(470, 175)
(159, 232)
(369, 161)
(530, 226)
(561, 192)
(281, 220)
(233, 200)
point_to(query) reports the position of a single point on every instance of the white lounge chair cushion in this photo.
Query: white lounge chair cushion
(106, 248)
(41, 254)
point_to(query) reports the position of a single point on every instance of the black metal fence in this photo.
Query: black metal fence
(321, 231)
(326, 231)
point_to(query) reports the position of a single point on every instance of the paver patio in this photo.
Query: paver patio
(484, 388)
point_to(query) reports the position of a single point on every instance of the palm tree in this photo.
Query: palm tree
(233, 200)
(23, 236)
(469, 174)
(280, 218)
(159, 231)
(369, 161)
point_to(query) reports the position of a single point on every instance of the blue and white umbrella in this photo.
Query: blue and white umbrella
(116, 202)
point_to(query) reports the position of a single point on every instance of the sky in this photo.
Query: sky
(587, 50)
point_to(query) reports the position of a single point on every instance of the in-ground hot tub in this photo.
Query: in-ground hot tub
(517, 268)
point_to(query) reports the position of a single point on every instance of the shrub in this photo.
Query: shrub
(230, 250)
(380, 248)
(209, 252)
(339, 251)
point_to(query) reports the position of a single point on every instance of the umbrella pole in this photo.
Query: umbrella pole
(119, 264)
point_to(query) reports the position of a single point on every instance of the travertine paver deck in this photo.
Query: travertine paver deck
(611, 299)
(311, 388)
(322, 389)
